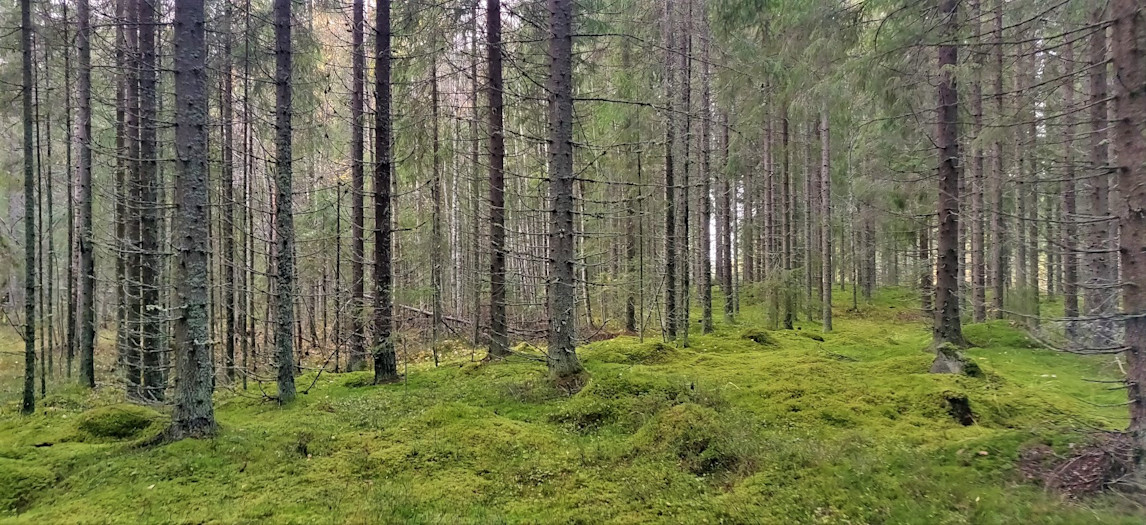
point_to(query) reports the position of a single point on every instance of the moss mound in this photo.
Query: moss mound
(117, 421)
(693, 435)
(759, 337)
(20, 484)
(358, 379)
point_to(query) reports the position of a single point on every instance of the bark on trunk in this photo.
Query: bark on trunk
(86, 241)
(194, 415)
(284, 195)
(356, 360)
(948, 327)
(385, 359)
(562, 356)
(498, 327)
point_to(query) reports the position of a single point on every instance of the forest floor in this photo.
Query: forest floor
(780, 429)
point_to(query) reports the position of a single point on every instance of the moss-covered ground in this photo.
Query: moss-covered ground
(729, 430)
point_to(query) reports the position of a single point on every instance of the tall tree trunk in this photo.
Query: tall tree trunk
(1128, 127)
(437, 253)
(999, 251)
(72, 305)
(228, 199)
(705, 177)
(948, 327)
(1100, 293)
(562, 355)
(498, 327)
(86, 347)
(29, 401)
(826, 218)
(726, 188)
(669, 321)
(1069, 202)
(133, 253)
(385, 359)
(978, 263)
(356, 360)
(284, 218)
(194, 415)
(150, 319)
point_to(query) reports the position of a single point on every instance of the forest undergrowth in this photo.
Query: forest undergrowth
(746, 425)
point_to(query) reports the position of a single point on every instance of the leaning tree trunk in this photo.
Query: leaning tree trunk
(385, 359)
(948, 327)
(562, 355)
(1128, 127)
(284, 219)
(194, 415)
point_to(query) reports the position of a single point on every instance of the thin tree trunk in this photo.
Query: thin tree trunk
(826, 218)
(999, 252)
(228, 199)
(1100, 295)
(978, 263)
(150, 321)
(706, 178)
(356, 360)
(669, 321)
(1069, 202)
(29, 402)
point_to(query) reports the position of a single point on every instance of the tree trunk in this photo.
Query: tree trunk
(385, 359)
(29, 401)
(150, 319)
(978, 263)
(356, 360)
(1128, 127)
(498, 327)
(87, 329)
(228, 200)
(1100, 295)
(284, 218)
(194, 415)
(1069, 202)
(562, 356)
(706, 180)
(826, 219)
(669, 321)
(948, 327)
(999, 251)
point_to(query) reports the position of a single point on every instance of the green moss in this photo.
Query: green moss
(853, 429)
(20, 484)
(117, 421)
(759, 337)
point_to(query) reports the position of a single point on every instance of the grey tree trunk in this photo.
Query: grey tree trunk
(948, 327)
(1100, 289)
(152, 387)
(356, 360)
(826, 219)
(86, 242)
(1130, 165)
(999, 251)
(194, 414)
(1069, 202)
(228, 200)
(385, 359)
(284, 218)
(670, 255)
(705, 178)
(978, 263)
(562, 355)
(498, 327)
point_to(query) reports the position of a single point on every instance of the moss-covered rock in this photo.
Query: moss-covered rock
(117, 421)
(949, 359)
